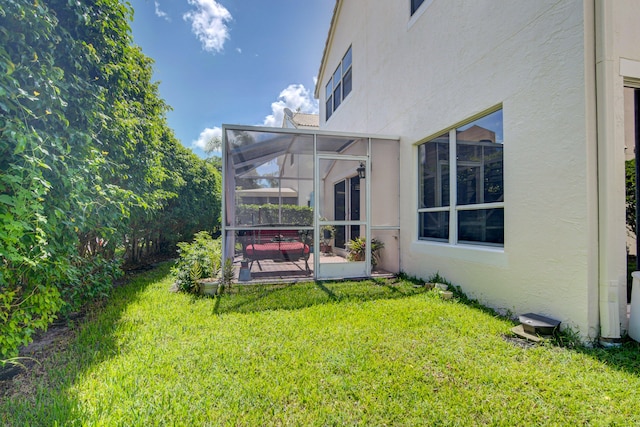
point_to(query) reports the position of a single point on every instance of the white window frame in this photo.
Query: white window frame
(334, 89)
(453, 209)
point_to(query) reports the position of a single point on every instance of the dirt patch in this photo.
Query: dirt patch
(17, 379)
(518, 342)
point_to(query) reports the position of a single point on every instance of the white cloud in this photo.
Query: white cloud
(238, 50)
(161, 13)
(295, 97)
(209, 23)
(206, 137)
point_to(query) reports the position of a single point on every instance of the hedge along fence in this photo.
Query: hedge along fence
(86, 156)
(270, 215)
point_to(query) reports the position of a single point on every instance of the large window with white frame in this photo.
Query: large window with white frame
(461, 184)
(339, 85)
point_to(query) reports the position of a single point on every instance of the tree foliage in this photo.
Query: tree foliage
(87, 161)
(630, 172)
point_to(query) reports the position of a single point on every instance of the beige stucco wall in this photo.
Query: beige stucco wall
(416, 78)
(626, 30)
(385, 200)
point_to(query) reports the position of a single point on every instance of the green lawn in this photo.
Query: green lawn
(352, 353)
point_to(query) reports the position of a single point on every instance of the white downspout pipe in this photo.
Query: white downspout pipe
(611, 196)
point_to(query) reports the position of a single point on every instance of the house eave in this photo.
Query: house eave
(325, 52)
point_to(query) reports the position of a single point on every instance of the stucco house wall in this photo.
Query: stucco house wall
(453, 61)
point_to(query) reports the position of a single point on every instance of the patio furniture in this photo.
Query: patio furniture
(277, 245)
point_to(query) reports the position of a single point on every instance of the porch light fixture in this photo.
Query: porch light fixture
(361, 171)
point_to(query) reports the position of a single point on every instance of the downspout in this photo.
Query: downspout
(610, 208)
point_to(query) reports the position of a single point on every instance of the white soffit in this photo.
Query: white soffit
(629, 68)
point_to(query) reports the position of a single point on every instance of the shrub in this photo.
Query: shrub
(270, 214)
(88, 279)
(357, 250)
(228, 275)
(199, 259)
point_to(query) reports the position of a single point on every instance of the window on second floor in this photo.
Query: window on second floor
(339, 85)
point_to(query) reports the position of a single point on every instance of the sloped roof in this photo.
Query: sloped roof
(306, 120)
(300, 120)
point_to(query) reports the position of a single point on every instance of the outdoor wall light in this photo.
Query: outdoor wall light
(361, 171)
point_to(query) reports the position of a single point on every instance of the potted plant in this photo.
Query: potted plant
(197, 268)
(328, 233)
(357, 250)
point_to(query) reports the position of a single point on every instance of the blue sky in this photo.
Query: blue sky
(232, 61)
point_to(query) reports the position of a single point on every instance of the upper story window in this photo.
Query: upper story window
(339, 85)
(461, 184)
(415, 4)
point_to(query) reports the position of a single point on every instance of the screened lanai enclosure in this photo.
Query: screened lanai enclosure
(309, 204)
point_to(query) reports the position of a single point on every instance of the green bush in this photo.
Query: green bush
(88, 165)
(270, 214)
(199, 259)
(88, 279)
(23, 310)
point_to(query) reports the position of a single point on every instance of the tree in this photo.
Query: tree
(213, 144)
(86, 160)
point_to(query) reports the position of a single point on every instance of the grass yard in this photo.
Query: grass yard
(351, 353)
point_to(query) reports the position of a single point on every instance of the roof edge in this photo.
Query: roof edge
(320, 132)
(332, 26)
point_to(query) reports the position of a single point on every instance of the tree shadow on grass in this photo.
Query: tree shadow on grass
(41, 396)
(242, 299)
(293, 296)
(330, 294)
